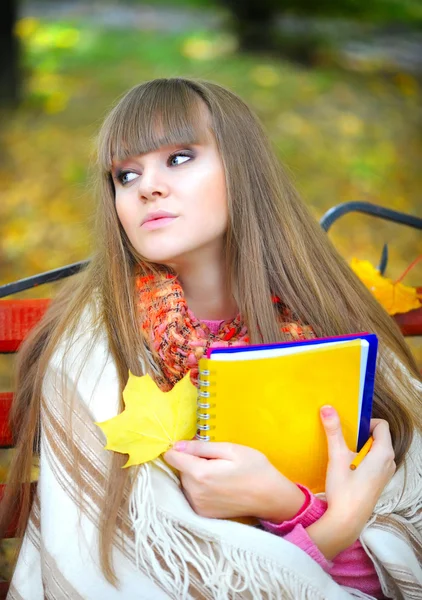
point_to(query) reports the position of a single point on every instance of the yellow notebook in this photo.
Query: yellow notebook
(269, 398)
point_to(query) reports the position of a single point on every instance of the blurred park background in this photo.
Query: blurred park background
(337, 84)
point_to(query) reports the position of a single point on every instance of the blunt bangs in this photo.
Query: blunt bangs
(158, 113)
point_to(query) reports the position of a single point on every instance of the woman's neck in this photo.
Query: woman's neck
(206, 291)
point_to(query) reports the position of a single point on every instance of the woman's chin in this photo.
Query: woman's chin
(167, 258)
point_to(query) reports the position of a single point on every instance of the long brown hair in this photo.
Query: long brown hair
(274, 247)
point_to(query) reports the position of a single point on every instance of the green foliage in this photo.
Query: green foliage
(180, 3)
(403, 11)
(375, 10)
(345, 135)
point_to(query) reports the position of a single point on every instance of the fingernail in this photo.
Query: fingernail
(180, 446)
(327, 411)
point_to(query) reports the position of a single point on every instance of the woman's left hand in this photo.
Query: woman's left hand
(223, 480)
(351, 495)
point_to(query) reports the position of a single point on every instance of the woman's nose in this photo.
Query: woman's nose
(152, 187)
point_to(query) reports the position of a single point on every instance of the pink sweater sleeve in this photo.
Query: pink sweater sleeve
(352, 567)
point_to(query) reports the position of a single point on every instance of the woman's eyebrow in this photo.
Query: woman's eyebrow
(118, 164)
(115, 163)
(115, 166)
(176, 146)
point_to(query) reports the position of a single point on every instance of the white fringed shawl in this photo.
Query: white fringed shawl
(164, 549)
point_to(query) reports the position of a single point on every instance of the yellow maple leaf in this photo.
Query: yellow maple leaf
(394, 296)
(152, 420)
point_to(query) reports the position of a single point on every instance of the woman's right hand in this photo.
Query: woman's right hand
(351, 495)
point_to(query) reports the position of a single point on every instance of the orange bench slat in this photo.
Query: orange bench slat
(17, 317)
(4, 588)
(11, 529)
(6, 439)
(410, 323)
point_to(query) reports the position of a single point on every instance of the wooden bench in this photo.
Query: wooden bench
(17, 317)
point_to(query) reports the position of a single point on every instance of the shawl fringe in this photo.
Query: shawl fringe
(168, 550)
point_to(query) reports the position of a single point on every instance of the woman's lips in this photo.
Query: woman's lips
(157, 223)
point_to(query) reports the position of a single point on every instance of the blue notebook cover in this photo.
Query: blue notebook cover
(369, 382)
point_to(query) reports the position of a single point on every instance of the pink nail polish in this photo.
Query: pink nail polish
(180, 446)
(327, 412)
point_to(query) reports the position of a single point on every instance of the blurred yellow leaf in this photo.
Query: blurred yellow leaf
(152, 420)
(293, 124)
(56, 102)
(67, 38)
(265, 76)
(198, 49)
(6, 456)
(24, 28)
(45, 82)
(350, 125)
(393, 296)
(43, 38)
(3, 474)
(407, 84)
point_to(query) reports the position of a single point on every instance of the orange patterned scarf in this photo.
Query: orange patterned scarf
(178, 339)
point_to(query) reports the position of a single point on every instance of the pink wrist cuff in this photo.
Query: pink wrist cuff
(307, 502)
(312, 509)
(299, 537)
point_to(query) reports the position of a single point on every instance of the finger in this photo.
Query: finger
(380, 430)
(374, 422)
(185, 463)
(382, 440)
(333, 431)
(380, 424)
(220, 450)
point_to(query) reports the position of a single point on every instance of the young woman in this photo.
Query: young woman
(199, 234)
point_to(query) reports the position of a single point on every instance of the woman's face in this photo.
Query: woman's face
(172, 202)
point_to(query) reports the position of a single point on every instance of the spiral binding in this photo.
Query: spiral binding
(203, 407)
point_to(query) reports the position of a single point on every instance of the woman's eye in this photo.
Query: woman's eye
(126, 177)
(179, 158)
